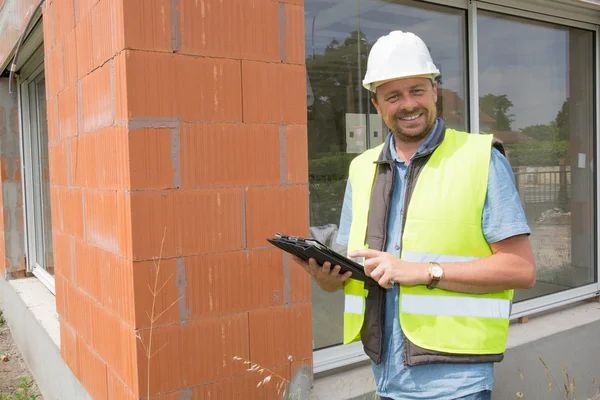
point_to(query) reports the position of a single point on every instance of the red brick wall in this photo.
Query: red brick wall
(180, 121)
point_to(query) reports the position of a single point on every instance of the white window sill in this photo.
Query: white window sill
(42, 304)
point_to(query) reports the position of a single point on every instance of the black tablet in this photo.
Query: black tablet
(310, 248)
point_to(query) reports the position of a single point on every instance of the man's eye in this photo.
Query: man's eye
(418, 91)
(393, 98)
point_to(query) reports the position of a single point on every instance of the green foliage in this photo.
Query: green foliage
(545, 153)
(2, 320)
(330, 164)
(498, 108)
(24, 391)
(539, 132)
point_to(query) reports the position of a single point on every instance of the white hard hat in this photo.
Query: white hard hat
(398, 55)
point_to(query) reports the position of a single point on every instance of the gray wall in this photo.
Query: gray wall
(578, 349)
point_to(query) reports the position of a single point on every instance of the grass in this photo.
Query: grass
(23, 392)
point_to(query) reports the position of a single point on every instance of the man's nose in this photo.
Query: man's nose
(408, 103)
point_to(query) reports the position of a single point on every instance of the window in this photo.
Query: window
(36, 180)
(529, 76)
(342, 123)
(538, 98)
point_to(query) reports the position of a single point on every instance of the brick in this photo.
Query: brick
(68, 345)
(294, 34)
(92, 372)
(84, 44)
(300, 285)
(245, 386)
(100, 160)
(275, 209)
(263, 97)
(216, 284)
(48, 25)
(296, 154)
(124, 225)
(115, 343)
(211, 87)
(111, 169)
(100, 227)
(62, 254)
(148, 24)
(117, 389)
(245, 29)
(117, 287)
(205, 145)
(281, 334)
(120, 86)
(97, 108)
(52, 113)
(71, 204)
(67, 112)
(63, 18)
(70, 58)
(106, 33)
(80, 159)
(152, 160)
(83, 9)
(79, 311)
(158, 276)
(214, 342)
(90, 269)
(55, 208)
(55, 72)
(59, 282)
(296, 2)
(178, 214)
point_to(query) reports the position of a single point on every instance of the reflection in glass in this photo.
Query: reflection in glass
(42, 245)
(342, 123)
(537, 97)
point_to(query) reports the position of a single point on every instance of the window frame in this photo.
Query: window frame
(31, 71)
(561, 12)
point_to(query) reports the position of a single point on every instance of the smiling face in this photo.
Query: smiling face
(408, 107)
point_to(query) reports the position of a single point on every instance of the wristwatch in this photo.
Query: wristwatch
(436, 273)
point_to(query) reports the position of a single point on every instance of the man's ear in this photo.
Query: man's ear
(374, 101)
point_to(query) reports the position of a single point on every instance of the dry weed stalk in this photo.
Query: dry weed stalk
(152, 317)
(259, 369)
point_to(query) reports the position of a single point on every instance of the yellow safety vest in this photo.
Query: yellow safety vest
(443, 224)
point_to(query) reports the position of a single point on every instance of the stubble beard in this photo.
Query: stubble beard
(400, 134)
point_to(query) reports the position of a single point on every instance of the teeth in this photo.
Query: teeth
(411, 118)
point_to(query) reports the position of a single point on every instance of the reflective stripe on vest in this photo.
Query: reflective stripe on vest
(443, 224)
(455, 306)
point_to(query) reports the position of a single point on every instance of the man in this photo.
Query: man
(437, 219)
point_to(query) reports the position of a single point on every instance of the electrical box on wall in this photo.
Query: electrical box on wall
(377, 130)
(357, 138)
(356, 133)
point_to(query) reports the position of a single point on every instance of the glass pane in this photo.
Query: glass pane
(342, 123)
(45, 177)
(537, 97)
(40, 179)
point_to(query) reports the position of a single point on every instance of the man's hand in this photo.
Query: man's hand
(384, 267)
(328, 279)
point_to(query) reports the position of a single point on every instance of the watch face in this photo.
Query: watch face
(436, 271)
